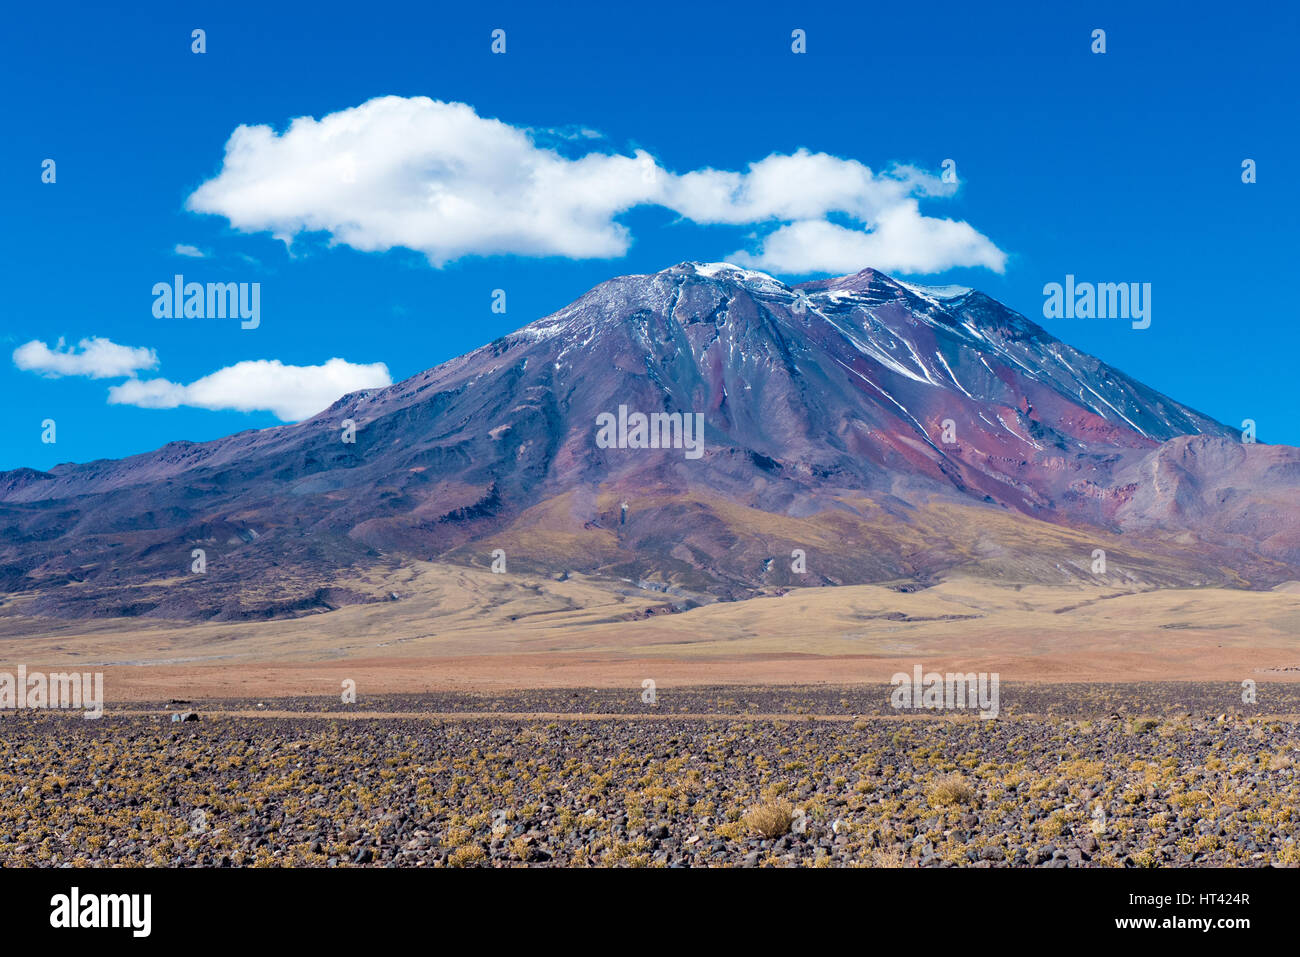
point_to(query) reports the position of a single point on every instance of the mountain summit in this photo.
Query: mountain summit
(885, 431)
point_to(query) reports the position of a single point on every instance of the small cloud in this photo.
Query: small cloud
(95, 358)
(182, 249)
(291, 393)
(902, 240)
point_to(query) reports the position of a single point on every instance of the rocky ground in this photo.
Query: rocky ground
(1066, 776)
(1163, 699)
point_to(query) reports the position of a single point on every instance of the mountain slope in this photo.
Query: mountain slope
(890, 431)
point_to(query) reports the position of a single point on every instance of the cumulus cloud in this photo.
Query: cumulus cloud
(902, 241)
(290, 392)
(424, 175)
(95, 358)
(436, 177)
(184, 249)
(802, 185)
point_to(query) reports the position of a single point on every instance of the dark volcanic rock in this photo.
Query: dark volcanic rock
(322, 790)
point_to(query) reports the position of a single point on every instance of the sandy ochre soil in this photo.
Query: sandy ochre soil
(455, 628)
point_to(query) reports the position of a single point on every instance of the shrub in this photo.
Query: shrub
(950, 789)
(771, 819)
(466, 854)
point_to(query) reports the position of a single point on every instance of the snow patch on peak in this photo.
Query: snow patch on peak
(935, 292)
(734, 273)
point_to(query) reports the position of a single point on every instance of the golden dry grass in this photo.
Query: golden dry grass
(948, 790)
(769, 820)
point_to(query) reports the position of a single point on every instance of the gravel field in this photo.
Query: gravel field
(1167, 699)
(1066, 776)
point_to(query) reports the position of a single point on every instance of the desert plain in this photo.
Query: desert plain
(504, 721)
(438, 627)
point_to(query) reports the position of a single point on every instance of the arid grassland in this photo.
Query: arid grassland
(1103, 775)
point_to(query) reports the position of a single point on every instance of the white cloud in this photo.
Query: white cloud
(95, 358)
(800, 186)
(438, 178)
(902, 241)
(292, 393)
(424, 175)
(184, 249)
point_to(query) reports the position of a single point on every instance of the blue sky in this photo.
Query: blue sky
(1122, 167)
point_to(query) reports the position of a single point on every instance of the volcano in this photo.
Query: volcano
(851, 430)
